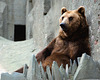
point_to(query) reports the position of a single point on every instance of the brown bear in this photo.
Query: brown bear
(72, 41)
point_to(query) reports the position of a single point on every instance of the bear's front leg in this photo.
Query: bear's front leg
(59, 58)
(42, 55)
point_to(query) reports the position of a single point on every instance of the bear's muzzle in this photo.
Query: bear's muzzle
(63, 26)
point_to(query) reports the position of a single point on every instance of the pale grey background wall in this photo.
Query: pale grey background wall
(14, 13)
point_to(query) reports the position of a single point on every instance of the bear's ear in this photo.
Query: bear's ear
(63, 10)
(81, 10)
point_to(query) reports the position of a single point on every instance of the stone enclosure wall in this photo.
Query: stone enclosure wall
(43, 21)
(13, 13)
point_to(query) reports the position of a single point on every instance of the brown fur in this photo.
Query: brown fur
(72, 41)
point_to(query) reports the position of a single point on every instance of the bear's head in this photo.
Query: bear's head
(71, 21)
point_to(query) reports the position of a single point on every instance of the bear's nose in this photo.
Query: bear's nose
(62, 25)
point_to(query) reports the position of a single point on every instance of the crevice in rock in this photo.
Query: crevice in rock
(47, 6)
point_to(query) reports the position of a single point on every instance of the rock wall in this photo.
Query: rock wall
(20, 12)
(3, 23)
(43, 21)
(14, 14)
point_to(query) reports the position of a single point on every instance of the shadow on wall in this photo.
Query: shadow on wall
(47, 6)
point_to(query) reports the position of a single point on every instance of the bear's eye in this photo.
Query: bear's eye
(70, 18)
(62, 18)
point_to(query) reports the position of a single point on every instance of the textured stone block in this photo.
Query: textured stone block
(13, 76)
(87, 69)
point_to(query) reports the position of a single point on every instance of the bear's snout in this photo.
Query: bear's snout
(63, 26)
